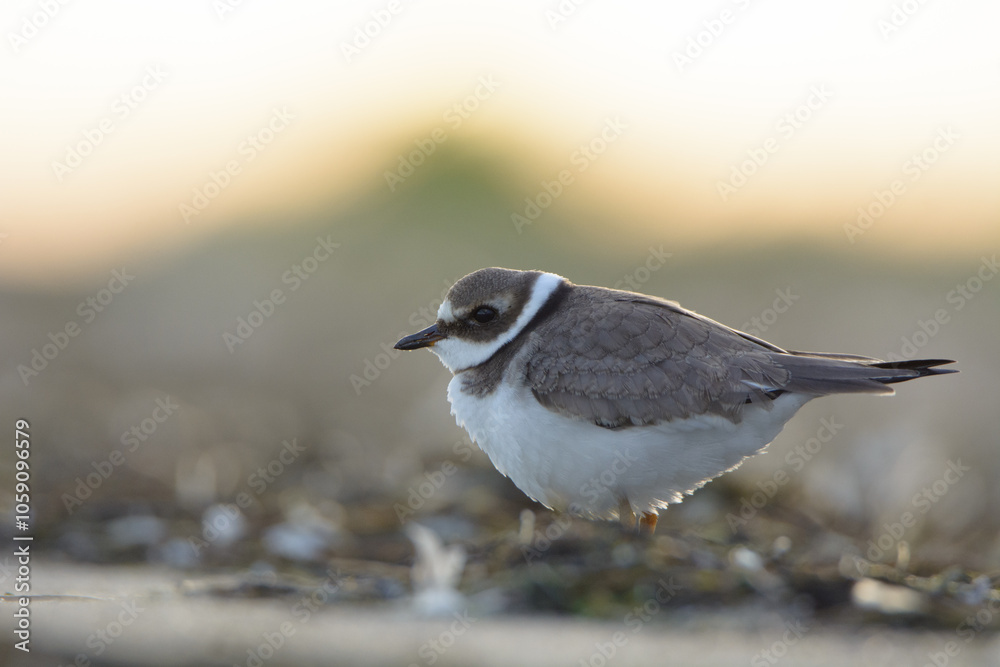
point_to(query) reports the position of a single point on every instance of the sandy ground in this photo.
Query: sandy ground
(143, 616)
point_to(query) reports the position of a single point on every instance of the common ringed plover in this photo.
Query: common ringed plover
(613, 404)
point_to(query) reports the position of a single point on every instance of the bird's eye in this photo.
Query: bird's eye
(484, 314)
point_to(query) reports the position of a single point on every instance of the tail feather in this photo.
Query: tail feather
(820, 374)
(922, 367)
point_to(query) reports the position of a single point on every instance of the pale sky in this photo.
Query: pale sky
(774, 116)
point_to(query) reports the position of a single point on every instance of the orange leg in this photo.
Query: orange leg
(647, 524)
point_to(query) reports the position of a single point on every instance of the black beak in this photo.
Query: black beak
(425, 338)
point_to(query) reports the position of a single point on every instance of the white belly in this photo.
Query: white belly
(577, 466)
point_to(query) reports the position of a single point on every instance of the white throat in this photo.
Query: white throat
(457, 355)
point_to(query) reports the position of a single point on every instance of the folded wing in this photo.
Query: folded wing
(622, 359)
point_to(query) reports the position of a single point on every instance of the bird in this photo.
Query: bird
(612, 404)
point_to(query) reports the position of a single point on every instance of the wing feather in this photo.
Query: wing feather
(620, 359)
(623, 359)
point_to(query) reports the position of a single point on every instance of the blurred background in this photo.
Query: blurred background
(219, 216)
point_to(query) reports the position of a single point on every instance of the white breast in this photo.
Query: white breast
(573, 465)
